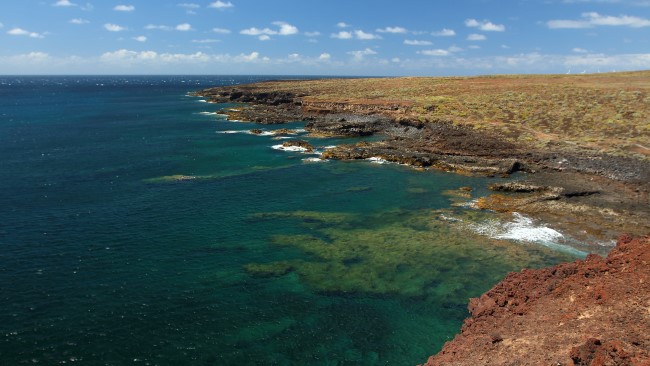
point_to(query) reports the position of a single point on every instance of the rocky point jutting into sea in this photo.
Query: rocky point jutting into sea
(582, 144)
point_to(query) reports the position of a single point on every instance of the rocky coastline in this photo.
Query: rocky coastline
(591, 312)
(611, 193)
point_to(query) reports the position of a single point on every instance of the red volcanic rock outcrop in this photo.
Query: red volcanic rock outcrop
(590, 312)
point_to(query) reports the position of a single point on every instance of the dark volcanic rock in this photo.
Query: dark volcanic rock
(299, 143)
(347, 125)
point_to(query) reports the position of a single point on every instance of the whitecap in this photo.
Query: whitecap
(234, 131)
(329, 147)
(315, 160)
(202, 101)
(524, 229)
(377, 160)
(289, 148)
(208, 113)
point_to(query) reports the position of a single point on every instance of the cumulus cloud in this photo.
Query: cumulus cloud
(358, 34)
(579, 50)
(359, 55)
(22, 32)
(476, 37)
(221, 5)
(64, 3)
(444, 33)
(113, 27)
(185, 27)
(312, 34)
(140, 38)
(397, 30)
(342, 25)
(78, 21)
(438, 52)
(593, 19)
(125, 8)
(221, 30)
(342, 35)
(413, 42)
(286, 29)
(485, 25)
(325, 56)
(263, 34)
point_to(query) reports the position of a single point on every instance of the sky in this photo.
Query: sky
(323, 37)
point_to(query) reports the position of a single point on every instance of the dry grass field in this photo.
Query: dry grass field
(607, 112)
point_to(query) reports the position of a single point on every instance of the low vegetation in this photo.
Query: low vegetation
(608, 112)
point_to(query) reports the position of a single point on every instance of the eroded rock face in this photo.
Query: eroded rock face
(590, 312)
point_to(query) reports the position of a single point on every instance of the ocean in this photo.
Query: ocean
(138, 226)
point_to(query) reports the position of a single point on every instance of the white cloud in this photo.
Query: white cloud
(454, 49)
(365, 36)
(579, 50)
(221, 5)
(325, 56)
(446, 32)
(22, 32)
(221, 30)
(252, 57)
(438, 52)
(257, 31)
(359, 55)
(342, 25)
(476, 37)
(140, 38)
(2, 25)
(396, 59)
(189, 5)
(185, 27)
(113, 27)
(474, 47)
(413, 42)
(485, 25)
(64, 3)
(342, 35)
(593, 19)
(126, 8)
(87, 7)
(158, 27)
(78, 21)
(396, 30)
(203, 41)
(286, 29)
(312, 34)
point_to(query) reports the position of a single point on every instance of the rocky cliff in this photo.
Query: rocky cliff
(590, 312)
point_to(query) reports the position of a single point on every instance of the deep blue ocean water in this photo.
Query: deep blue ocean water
(133, 231)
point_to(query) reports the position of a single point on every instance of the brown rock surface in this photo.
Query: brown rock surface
(590, 312)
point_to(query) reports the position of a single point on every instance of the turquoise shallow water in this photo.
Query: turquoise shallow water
(262, 259)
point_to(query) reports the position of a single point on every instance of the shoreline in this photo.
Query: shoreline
(589, 194)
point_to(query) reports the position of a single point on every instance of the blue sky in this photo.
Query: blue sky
(313, 37)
